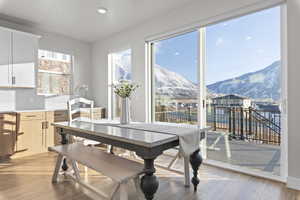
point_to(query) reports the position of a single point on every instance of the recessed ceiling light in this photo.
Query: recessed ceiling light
(102, 10)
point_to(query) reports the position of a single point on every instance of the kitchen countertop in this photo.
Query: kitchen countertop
(21, 111)
(38, 110)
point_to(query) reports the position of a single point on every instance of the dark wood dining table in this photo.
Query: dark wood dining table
(148, 145)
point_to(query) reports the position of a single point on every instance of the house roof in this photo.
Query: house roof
(272, 108)
(231, 96)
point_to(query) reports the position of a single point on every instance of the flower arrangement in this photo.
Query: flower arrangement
(125, 88)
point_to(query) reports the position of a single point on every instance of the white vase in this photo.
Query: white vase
(125, 111)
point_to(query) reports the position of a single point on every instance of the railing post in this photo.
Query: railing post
(233, 123)
(250, 121)
(163, 116)
(229, 119)
(189, 112)
(215, 117)
(242, 123)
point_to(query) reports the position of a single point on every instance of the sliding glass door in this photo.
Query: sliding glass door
(175, 79)
(227, 76)
(243, 80)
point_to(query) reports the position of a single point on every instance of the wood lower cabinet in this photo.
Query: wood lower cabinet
(35, 133)
(8, 123)
(49, 130)
(28, 133)
(30, 138)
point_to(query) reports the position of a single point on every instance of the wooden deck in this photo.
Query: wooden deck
(30, 179)
(263, 157)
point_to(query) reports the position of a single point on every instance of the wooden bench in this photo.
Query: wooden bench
(119, 169)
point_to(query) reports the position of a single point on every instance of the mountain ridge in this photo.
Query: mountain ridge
(260, 84)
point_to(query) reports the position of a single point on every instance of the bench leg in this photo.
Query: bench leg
(137, 183)
(57, 168)
(187, 171)
(123, 192)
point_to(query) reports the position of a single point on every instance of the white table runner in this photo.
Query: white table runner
(189, 137)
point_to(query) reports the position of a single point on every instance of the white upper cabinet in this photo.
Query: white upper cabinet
(5, 52)
(24, 60)
(18, 58)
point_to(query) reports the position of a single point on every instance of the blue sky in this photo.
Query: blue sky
(233, 47)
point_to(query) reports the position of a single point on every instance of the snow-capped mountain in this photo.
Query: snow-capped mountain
(261, 84)
(122, 64)
(173, 84)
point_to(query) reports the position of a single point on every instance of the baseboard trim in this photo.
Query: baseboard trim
(293, 183)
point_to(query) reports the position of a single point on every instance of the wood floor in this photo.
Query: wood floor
(30, 179)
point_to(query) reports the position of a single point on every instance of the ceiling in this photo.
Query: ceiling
(79, 18)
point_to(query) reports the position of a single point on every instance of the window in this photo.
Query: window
(54, 73)
(120, 70)
(175, 79)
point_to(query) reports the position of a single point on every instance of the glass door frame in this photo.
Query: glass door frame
(202, 92)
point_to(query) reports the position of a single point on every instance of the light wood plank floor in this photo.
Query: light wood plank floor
(30, 179)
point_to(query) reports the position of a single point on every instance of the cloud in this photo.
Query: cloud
(176, 53)
(248, 38)
(219, 41)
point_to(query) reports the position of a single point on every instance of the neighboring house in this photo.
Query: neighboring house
(274, 108)
(232, 100)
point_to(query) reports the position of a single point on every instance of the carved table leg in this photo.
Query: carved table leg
(196, 161)
(64, 140)
(149, 182)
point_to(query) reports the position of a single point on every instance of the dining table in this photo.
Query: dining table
(148, 145)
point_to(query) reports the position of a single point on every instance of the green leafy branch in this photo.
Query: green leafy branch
(125, 88)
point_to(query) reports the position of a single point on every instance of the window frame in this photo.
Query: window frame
(284, 101)
(112, 80)
(70, 74)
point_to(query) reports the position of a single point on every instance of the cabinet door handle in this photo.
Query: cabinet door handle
(42, 137)
(13, 80)
(30, 115)
(45, 138)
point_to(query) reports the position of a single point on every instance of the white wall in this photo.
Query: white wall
(293, 50)
(23, 99)
(197, 12)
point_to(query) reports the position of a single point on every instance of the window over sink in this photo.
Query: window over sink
(54, 73)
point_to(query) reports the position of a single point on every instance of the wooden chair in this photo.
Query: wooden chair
(118, 169)
(75, 111)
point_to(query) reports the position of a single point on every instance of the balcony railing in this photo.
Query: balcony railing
(249, 124)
